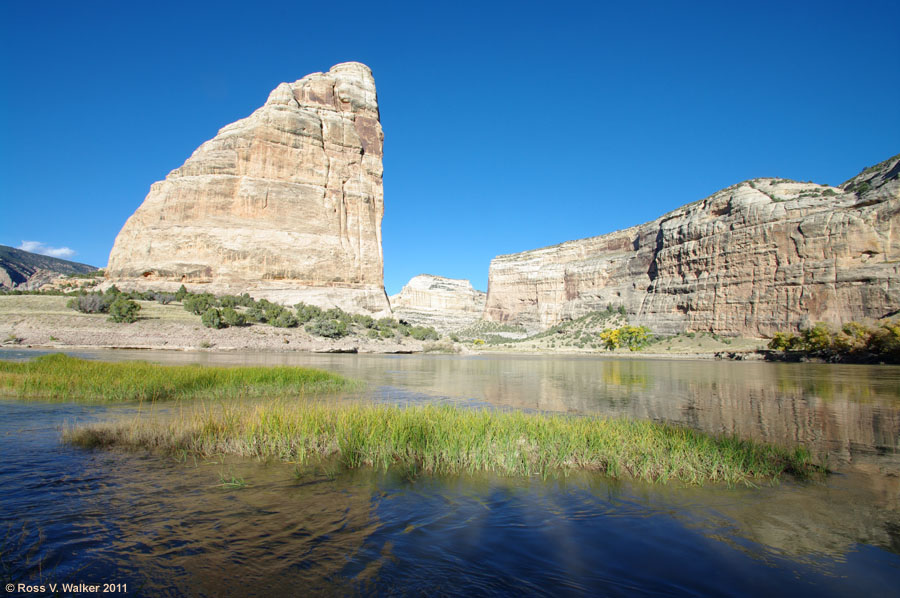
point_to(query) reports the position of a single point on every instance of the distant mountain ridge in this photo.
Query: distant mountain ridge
(17, 266)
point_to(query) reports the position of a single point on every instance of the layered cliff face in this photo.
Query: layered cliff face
(755, 258)
(284, 204)
(446, 304)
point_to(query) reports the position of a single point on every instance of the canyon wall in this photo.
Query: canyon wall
(758, 257)
(446, 304)
(285, 204)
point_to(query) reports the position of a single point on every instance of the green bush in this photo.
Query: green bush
(423, 333)
(123, 311)
(305, 312)
(284, 319)
(364, 320)
(200, 304)
(181, 293)
(327, 328)
(211, 318)
(232, 317)
(255, 314)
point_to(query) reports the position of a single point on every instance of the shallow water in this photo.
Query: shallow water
(170, 528)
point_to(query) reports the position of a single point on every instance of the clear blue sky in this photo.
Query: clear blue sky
(508, 126)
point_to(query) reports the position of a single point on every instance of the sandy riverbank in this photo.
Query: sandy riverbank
(45, 321)
(41, 321)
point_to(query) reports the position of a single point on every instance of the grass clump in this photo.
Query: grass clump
(445, 439)
(62, 378)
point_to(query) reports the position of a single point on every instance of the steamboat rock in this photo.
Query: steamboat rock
(446, 304)
(758, 257)
(285, 204)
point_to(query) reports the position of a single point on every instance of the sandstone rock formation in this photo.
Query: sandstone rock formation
(285, 204)
(446, 304)
(758, 257)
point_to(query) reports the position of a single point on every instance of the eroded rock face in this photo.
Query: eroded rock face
(285, 204)
(755, 258)
(445, 304)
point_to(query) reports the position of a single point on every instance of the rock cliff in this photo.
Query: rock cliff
(758, 257)
(285, 204)
(446, 304)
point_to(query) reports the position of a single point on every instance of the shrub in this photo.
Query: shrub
(232, 317)
(784, 341)
(123, 311)
(255, 314)
(327, 328)
(423, 333)
(364, 320)
(181, 293)
(200, 304)
(283, 319)
(211, 318)
(165, 298)
(632, 337)
(94, 303)
(305, 312)
(374, 333)
(854, 339)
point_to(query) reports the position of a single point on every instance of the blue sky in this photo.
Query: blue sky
(508, 126)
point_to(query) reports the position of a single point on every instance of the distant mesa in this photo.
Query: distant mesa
(25, 270)
(758, 257)
(446, 304)
(285, 204)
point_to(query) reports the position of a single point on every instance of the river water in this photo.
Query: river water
(168, 527)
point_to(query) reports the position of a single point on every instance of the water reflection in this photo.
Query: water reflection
(172, 527)
(851, 414)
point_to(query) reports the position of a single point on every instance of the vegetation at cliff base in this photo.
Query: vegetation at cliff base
(446, 439)
(59, 377)
(852, 342)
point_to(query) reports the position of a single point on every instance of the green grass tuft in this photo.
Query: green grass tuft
(59, 377)
(445, 439)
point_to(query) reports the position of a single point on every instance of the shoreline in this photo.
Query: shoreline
(44, 323)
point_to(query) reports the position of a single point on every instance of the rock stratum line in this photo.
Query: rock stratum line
(758, 257)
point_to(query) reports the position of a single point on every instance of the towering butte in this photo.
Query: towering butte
(285, 204)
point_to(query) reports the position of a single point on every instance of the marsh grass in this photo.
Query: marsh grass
(59, 377)
(447, 440)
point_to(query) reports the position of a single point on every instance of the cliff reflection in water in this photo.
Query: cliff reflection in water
(850, 413)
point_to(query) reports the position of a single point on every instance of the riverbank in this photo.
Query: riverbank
(44, 321)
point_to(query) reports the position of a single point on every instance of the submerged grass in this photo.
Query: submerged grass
(444, 439)
(59, 377)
